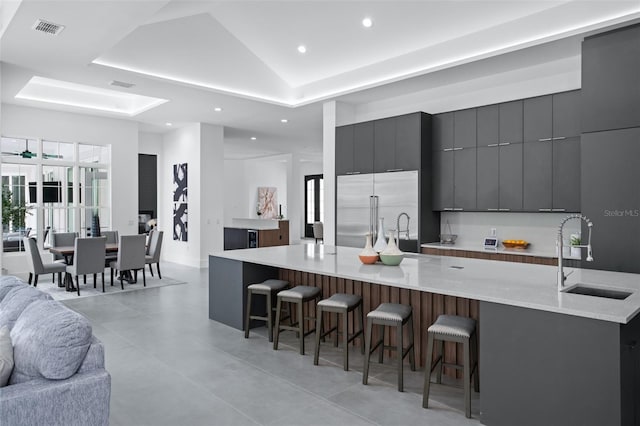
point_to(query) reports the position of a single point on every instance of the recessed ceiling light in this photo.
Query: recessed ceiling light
(302, 48)
(168, 124)
(217, 109)
(284, 120)
(253, 138)
(367, 22)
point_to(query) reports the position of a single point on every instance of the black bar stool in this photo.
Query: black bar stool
(296, 295)
(393, 315)
(339, 303)
(266, 288)
(452, 328)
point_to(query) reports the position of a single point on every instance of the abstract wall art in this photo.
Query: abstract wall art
(180, 202)
(267, 202)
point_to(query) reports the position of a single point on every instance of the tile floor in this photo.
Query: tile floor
(171, 365)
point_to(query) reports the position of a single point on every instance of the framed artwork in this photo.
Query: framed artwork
(267, 202)
(180, 230)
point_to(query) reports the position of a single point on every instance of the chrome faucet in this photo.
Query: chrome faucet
(398, 225)
(561, 276)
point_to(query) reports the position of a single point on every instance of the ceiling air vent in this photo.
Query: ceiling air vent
(121, 84)
(47, 27)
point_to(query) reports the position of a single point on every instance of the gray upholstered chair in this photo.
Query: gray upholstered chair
(131, 254)
(155, 245)
(62, 239)
(88, 259)
(34, 262)
(112, 238)
(149, 237)
(318, 231)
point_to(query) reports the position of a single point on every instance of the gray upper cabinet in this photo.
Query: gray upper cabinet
(464, 178)
(488, 178)
(510, 185)
(408, 141)
(442, 131)
(464, 128)
(566, 175)
(538, 176)
(538, 118)
(443, 180)
(384, 144)
(611, 80)
(363, 147)
(344, 149)
(567, 114)
(511, 122)
(488, 131)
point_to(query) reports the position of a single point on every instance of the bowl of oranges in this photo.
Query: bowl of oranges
(520, 244)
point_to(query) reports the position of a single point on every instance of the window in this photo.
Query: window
(50, 186)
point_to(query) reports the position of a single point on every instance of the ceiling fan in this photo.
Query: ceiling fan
(28, 154)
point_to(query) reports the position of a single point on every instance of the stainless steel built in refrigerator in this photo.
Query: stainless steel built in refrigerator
(364, 198)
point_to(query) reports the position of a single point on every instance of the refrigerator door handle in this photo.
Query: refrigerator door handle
(375, 214)
(371, 223)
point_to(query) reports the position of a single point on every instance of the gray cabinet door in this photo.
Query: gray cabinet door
(611, 199)
(537, 176)
(464, 191)
(488, 119)
(363, 147)
(611, 80)
(443, 180)
(488, 178)
(567, 114)
(538, 118)
(408, 141)
(511, 122)
(442, 131)
(566, 175)
(344, 149)
(384, 144)
(511, 177)
(464, 128)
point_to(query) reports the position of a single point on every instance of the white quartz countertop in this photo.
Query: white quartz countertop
(516, 284)
(259, 224)
(529, 251)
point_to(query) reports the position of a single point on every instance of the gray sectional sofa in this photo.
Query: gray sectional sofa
(59, 376)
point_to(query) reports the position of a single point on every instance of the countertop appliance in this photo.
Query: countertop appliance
(364, 198)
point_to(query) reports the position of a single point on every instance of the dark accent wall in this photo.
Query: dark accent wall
(148, 183)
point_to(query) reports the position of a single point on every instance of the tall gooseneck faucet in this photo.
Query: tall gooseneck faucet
(398, 225)
(561, 276)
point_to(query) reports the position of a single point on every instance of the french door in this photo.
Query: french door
(313, 202)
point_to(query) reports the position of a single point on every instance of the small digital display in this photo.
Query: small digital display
(490, 242)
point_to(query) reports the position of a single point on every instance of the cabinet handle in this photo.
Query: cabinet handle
(493, 144)
(457, 149)
(504, 210)
(448, 149)
(545, 139)
(558, 210)
(504, 143)
(492, 210)
(458, 209)
(353, 173)
(544, 210)
(559, 138)
(395, 170)
(448, 209)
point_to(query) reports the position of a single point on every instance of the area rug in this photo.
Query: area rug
(87, 290)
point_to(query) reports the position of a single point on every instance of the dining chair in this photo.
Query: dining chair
(112, 238)
(131, 257)
(88, 259)
(148, 243)
(61, 239)
(155, 246)
(34, 262)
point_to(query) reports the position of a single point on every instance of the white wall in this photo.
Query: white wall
(122, 135)
(212, 192)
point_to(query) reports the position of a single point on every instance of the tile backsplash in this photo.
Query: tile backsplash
(539, 229)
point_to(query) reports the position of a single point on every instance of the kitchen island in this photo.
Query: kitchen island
(545, 357)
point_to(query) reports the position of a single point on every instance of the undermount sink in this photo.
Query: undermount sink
(590, 290)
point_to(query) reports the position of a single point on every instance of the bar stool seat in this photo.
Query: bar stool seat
(297, 295)
(339, 303)
(452, 328)
(266, 288)
(394, 315)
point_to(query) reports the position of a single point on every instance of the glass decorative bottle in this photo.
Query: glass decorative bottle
(381, 241)
(368, 255)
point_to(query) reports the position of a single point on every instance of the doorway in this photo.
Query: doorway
(313, 202)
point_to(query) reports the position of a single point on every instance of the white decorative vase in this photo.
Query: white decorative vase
(368, 255)
(576, 252)
(391, 255)
(381, 241)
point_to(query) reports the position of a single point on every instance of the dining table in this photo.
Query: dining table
(69, 251)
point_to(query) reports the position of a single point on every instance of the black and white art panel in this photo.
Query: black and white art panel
(180, 202)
